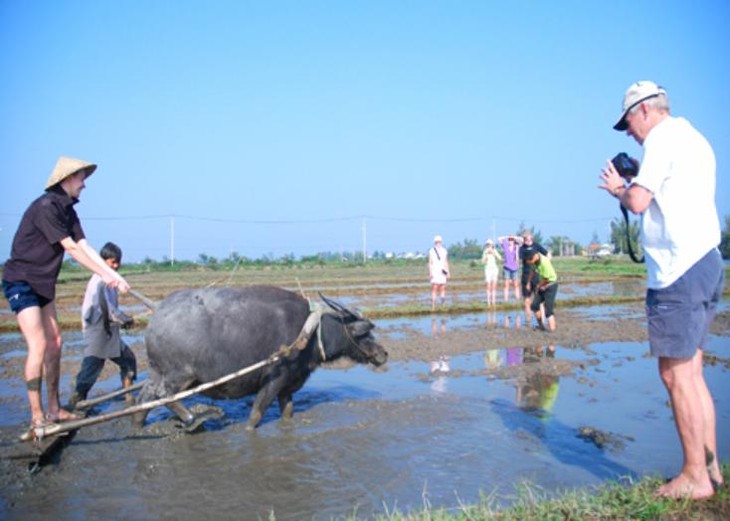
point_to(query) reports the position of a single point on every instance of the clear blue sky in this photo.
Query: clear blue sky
(283, 127)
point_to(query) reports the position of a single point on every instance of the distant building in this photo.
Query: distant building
(596, 250)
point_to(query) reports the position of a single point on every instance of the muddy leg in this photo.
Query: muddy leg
(263, 399)
(128, 398)
(182, 412)
(146, 394)
(286, 406)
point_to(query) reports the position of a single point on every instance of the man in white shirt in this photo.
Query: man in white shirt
(674, 192)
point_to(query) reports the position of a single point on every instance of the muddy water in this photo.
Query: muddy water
(373, 441)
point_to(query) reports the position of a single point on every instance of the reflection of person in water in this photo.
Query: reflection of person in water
(491, 317)
(539, 392)
(493, 358)
(437, 331)
(439, 367)
(508, 321)
(514, 356)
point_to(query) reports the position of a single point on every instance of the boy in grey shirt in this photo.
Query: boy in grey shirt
(102, 322)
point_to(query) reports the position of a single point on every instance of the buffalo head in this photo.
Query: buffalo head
(361, 344)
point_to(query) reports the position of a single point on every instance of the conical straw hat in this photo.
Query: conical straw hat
(66, 166)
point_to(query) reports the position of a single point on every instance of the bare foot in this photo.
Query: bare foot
(62, 415)
(681, 487)
(40, 422)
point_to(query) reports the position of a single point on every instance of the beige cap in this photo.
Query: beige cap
(438, 238)
(67, 166)
(638, 92)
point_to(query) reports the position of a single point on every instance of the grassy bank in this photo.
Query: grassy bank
(612, 501)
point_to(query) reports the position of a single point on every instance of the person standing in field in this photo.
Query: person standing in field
(102, 321)
(674, 192)
(491, 259)
(510, 248)
(438, 270)
(49, 228)
(545, 292)
(528, 279)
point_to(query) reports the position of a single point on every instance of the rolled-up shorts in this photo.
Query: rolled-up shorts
(510, 274)
(21, 296)
(547, 298)
(680, 315)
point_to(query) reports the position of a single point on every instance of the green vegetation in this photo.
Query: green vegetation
(618, 235)
(725, 240)
(612, 501)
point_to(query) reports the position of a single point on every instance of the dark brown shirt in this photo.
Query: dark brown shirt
(37, 253)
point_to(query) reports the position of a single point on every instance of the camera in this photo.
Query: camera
(626, 166)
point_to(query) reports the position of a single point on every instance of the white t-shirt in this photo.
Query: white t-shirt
(681, 225)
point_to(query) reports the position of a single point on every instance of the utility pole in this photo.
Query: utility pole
(172, 240)
(364, 242)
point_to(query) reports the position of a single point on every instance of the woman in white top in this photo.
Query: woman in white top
(491, 259)
(438, 270)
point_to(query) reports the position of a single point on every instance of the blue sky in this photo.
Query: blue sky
(268, 128)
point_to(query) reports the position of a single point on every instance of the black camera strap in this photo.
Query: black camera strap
(628, 237)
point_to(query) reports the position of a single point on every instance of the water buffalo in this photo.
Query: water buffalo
(197, 336)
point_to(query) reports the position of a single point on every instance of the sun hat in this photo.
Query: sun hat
(67, 166)
(438, 238)
(638, 92)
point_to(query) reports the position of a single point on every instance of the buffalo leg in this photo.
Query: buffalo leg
(286, 406)
(146, 394)
(263, 399)
(182, 412)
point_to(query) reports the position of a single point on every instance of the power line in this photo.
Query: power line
(333, 219)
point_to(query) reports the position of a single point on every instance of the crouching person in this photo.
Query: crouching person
(102, 321)
(547, 290)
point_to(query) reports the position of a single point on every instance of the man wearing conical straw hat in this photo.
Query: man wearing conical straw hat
(49, 228)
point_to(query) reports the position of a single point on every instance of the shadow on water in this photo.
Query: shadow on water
(560, 439)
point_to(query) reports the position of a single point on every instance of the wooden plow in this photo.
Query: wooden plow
(48, 436)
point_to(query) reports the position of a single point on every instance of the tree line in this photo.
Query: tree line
(468, 249)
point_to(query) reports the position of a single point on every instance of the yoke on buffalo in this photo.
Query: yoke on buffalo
(198, 336)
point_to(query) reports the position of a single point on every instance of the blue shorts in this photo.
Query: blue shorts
(21, 296)
(509, 274)
(680, 315)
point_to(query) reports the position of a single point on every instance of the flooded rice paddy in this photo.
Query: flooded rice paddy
(506, 405)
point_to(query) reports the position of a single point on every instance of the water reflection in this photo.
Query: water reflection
(441, 366)
(516, 321)
(537, 393)
(537, 389)
(495, 358)
(507, 321)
